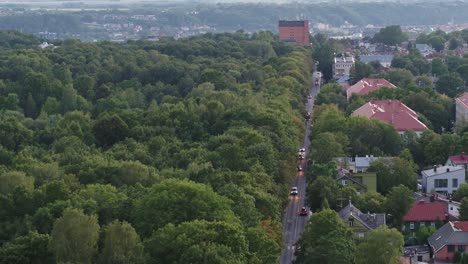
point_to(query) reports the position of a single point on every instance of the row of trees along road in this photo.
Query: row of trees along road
(168, 152)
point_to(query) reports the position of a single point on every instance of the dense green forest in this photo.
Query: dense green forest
(168, 152)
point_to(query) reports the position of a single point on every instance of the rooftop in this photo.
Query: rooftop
(428, 212)
(370, 58)
(393, 112)
(459, 159)
(463, 99)
(368, 85)
(441, 170)
(452, 233)
(370, 221)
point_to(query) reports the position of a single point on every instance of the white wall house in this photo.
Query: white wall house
(342, 66)
(444, 179)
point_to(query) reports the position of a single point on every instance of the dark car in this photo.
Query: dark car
(300, 157)
(304, 212)
(307, 116)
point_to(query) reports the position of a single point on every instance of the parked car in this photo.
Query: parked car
(300, 156)
(302, 150)
(304, 212)
(299, 168)
(294, 191)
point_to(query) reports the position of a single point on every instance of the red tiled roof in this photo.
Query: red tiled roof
(393, 112)
(459, 159)
(463, 99)
(368, 85)
(423, 211)
(461, 225)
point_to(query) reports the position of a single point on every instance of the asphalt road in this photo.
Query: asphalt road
(293, 223)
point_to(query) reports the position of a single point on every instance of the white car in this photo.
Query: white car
(294, 191)
(302, 150)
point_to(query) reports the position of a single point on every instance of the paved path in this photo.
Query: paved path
(293, 223)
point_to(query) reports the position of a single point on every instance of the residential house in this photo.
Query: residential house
(424, 49)
(449, 239)
(384, 60)
(424, 213)
(461, 109)
(342, 66)
(361, 223)
(392, 112)
(356, 164)
(44, 45)
(444, 180)
(457, 160)
(362, 182)
(367, 85)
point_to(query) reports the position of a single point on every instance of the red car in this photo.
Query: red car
(304, 212)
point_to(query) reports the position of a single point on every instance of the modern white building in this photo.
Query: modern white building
(342, 66)
(461, 109)
(444, 180)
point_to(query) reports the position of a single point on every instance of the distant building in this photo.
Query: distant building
(44, 45)
(444, 179)
(461, 109)
(361, 223)
(424, 49)
(392, 112)
(368, 85)
(384, 60)
(342, 66)
(296, 31)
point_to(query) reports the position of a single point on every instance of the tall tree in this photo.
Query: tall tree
(322, 188)
(397, 204)
(390, 35)
(176, 201)
(326, 240)
(74, 237)
(464, 209)
(450, 84)
(382, 245)
(121, 244)
(198, 242)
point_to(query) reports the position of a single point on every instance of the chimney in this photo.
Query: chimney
(448, 169)
(435, 168)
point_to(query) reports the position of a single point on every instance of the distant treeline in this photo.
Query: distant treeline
(246, 16)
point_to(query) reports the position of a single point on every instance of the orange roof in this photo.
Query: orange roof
(368, 85)
(463, 99)
(462, 225)
(393, 112)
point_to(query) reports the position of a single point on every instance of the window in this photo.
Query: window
(461, 248)
(422, 223)
(361, 235)
(450, 248)
(440, 183)
(345, 182)
(411, 226)
(454, 183)
(433, 224)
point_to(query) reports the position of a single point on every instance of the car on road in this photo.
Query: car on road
(304, 212)
(294, 191)
(299, 168)
(302, 150)
(309, 97)
(300, 156)
(307, 116)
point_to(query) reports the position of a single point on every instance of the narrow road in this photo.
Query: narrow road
(293, 223)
